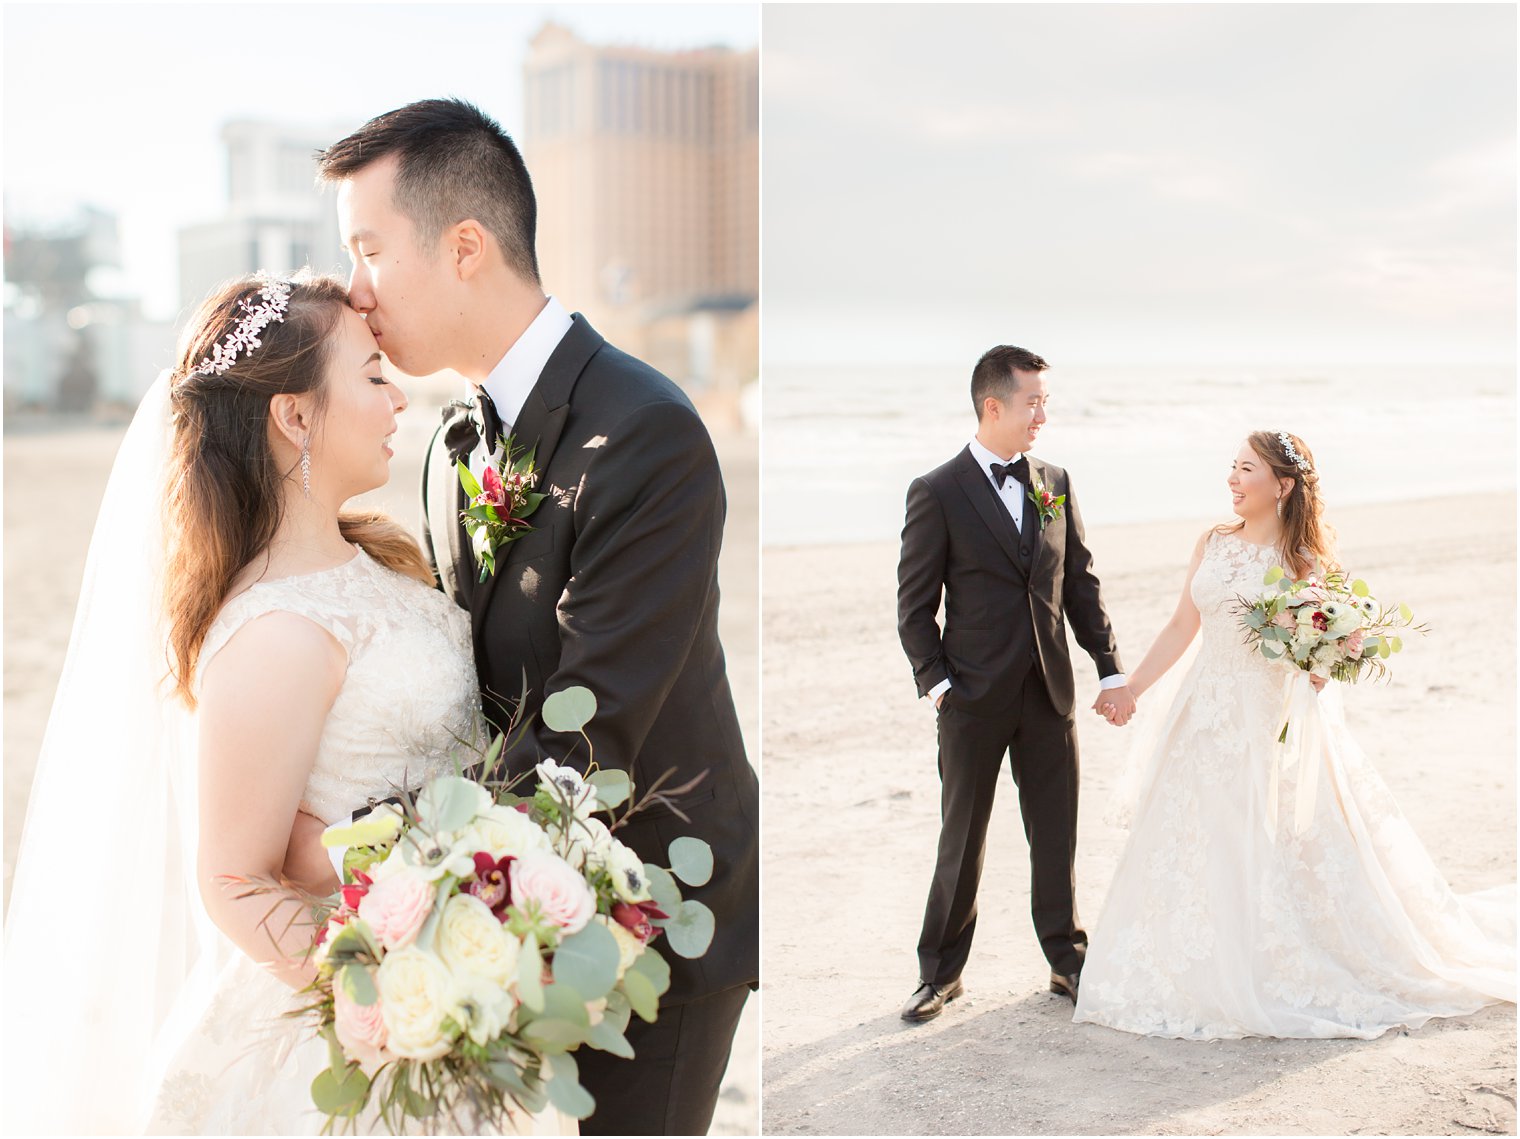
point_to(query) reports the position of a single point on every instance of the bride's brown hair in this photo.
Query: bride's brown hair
(1306, 542)
(223, 504)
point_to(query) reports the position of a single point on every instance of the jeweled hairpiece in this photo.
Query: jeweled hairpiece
(275, 297)
(1292, 452)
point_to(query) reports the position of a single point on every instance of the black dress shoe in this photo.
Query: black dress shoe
(928, 1001)
(1065, 984)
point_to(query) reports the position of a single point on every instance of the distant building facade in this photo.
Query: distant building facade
(646, 168)
(276, 218)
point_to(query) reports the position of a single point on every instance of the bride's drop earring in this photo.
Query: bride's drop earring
(1279, 503)
(306, 468)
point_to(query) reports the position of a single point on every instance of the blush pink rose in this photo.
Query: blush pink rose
(360, 1028)
(396, 907)
(1354, 643)
(561, 893)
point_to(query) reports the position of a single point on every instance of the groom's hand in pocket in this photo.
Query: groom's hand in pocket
(307, 864)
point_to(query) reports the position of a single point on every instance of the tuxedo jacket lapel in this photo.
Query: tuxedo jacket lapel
(978, 488)
(542, 421)
(445, 499)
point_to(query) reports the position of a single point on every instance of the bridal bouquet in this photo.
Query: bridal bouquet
(483, 939)
(1329, 626)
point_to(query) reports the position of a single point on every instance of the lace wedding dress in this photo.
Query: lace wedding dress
(408, 703)
(1215, 928)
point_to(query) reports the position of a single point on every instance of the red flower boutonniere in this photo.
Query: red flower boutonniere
(500, 503)
(1049, 505)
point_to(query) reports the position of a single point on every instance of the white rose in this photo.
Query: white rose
(481, 1007)
(627, 870)
(629, 947)
(416, 993)
(504, 832)
(472, 940)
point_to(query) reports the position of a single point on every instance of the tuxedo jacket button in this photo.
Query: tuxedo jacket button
(1023, 551)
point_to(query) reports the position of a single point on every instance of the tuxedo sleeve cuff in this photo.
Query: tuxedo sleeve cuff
(1117, 680)
(939, 689)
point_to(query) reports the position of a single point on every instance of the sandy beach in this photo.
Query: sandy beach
(851, 820)
(54, 476)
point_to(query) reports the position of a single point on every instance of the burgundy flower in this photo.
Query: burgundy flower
(1320, 621)
(634, 917)
(353, 893)
(492, 885)
(492, 492)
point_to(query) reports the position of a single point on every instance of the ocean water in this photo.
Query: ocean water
(840, 445)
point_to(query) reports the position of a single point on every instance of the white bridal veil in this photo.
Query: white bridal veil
(104, 936)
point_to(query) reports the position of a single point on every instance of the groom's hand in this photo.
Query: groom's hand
(306, 862)
(1116, 705)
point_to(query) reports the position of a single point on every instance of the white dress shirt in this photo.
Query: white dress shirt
(513, 378)
(1012, 494)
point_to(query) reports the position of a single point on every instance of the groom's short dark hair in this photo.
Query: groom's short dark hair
(455, 162)
(994, 373)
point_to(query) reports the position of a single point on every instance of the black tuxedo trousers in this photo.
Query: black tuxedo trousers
(1008, 592)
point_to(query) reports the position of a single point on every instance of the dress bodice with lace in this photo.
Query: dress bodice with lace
(1224, 921)
(408, 706)
(409, 700)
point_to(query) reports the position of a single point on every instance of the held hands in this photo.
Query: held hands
(307, 865)
(1319, 682)
(1116, 705)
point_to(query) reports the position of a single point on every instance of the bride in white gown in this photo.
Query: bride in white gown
(1224, 921)
(310, 666)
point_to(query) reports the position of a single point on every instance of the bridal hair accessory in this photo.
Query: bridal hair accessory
(1292, 452)
(275, 295)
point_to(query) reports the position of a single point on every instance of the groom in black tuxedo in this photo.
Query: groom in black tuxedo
(987, 531)
(615, 586)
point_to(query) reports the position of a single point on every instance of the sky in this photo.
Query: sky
(1129, 183)
(120, 105)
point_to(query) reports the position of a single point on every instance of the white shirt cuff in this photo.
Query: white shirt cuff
(1117, 680)
(939, 689)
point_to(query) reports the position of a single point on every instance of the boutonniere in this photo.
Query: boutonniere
(1049, 505)
(500, 502)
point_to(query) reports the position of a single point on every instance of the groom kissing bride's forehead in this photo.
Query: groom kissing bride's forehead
(612, 585)
(997, 534)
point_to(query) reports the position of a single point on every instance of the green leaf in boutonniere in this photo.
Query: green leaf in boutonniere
(501, 501)
(1049, 505)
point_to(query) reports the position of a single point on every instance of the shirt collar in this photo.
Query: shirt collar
(986, 458)
(513, 377)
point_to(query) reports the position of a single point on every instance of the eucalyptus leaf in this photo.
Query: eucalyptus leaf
(1274, 574)
(609, 1037)
(562, 1002)
(551, 1034)
(569, 710)
(641, 995)
(1398, 644)
(340, 1094)
(655, 967)
(587, 961)
(691, 860)
(448, 803)
(1270, 653)
(618, 1010)
(566, 1093)
(690, 930)
(1360, 588)
(358, 985)
(662, 887)
(612, 787)
(530, 970)
(354, 939)
(1385, 650)
(1406, 613)
(505, 1073)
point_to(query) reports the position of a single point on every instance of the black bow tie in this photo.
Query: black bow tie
(463, 431)
(1018, 469)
